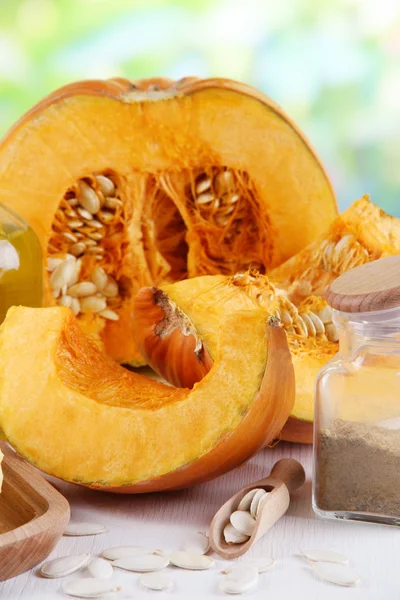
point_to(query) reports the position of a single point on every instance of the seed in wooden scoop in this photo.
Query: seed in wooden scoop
(118, 552)
(142, 563)
(255, 503)
(78, 528)
(233, 536)
(65, 565)
(336, 573)
(89, 587)
(241, 579)
(188, 560)
(325, 556)
(261, 564)
(100, 568)
(245, 502)
(156, 581)
(198, 543)
(243, 522)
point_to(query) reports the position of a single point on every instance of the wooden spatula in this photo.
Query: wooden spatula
(286, 476)
(33, 516)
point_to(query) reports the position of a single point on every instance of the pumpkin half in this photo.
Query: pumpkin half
(76, 414)
(129, 184)
(181, 348)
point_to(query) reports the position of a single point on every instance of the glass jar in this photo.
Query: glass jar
(21, 264)
(357, 421)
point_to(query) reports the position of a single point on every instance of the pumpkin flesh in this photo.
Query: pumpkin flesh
(127, 432)
(159, 143)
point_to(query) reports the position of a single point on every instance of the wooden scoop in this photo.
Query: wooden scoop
(33, 516)
(287, 475)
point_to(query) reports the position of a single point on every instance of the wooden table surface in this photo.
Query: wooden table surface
(164, 520)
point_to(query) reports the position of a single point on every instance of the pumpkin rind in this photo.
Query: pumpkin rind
(157, 140)
(128, 433)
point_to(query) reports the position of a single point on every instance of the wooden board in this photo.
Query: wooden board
(33, 516)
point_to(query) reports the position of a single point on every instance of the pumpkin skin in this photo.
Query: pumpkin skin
(126, 432)
(361, 234)
(157, 141)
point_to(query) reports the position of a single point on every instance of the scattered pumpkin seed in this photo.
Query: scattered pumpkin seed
(83, 528)
(118, 552)
(243, 522)
(337, 573)
(144, 563)
(156, 581)
(63, 566)
(99, 568)
(189, 560)
(261, 564)
(324, 556)
(197, 543)
(89, 587)
(240, 579)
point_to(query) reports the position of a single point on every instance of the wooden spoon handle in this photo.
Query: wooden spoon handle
(290, 472)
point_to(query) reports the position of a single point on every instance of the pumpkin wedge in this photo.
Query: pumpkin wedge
(129, 184)
(294, 292)
(76, 414)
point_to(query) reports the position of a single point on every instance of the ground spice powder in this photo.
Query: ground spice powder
(358, 469)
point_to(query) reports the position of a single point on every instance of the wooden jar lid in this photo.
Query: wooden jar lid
(373, 286)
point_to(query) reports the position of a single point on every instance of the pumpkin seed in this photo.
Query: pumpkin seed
(203, 185)
(88, 198)
(286, 318)
(65, 565)
(258, 496)
(90, 243)
(82, 528)
(324, 556)
(99, 278)
(89, 587)
(53, 263)
(62, 274)
(71, 213)
(118, 552)
(85, 214)
(93, 304)
(73, 201)
(77, 249)
(233, 536)
(336, 573)
(112, 203)
(340, 246)
(224, 182)
(75, 306)
(325, 314)
(75, 223)
(66, 301)
(106, 216)
(83, 288)
(331, 332)
(300, 326)
(245, 502)
(95, 223)
(318, 324)
(261, 564)
(312, 332)
(96, 250)
(95, 236)
(240, 579)
(156, 581)
(204, 198)
(110, 315)
(111, 289)
(142, 563)
(100, 568)
(70, 236)
(189, 560)
(197, 543)
(105, 184)
(243, 522)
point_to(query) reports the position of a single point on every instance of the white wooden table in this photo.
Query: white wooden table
(164, 520)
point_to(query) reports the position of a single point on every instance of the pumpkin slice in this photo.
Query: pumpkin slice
(150, 182)
(76, 414)
(294, 292)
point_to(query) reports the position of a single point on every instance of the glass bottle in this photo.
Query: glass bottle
(21, 263)
(356, 467)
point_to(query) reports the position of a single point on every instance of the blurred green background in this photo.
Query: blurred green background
(333, 65)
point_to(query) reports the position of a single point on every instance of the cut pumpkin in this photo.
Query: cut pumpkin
(294, 292)
(76, 414)
(149, 182)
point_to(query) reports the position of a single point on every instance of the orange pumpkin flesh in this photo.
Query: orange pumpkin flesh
(158, 142)
(294, 292)
(128, 433)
